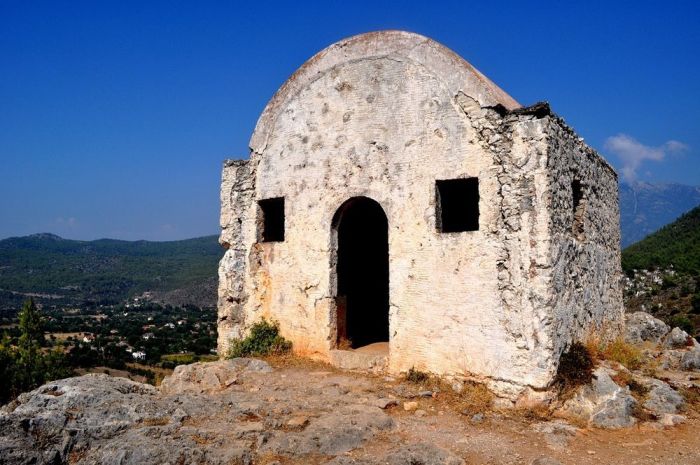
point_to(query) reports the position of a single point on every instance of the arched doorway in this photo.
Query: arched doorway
(362, 273)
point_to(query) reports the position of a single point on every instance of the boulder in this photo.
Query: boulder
(642, 327)
(670, 419)
(210, 376)
(602, 403)
(690, 360)
(557, 433)
(677, 339)
(670, 359)
(662, 398)
(106, 419)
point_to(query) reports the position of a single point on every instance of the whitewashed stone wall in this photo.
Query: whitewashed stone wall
(385, 115)
(586, 273)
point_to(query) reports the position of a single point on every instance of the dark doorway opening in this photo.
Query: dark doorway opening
(363, 273)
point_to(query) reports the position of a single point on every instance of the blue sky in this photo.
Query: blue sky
(115, 116)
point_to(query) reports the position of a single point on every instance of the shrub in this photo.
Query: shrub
(684, 323)
(624, 378)
(668, 281)
(575, 366)
(624, 353)
(691, 395)
(476, 398)
(264, 339)
(416, 376)
(26, 366)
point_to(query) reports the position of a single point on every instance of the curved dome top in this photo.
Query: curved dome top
(455, 72)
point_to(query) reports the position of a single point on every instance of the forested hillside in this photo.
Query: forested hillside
(107, 271)
(676, 244)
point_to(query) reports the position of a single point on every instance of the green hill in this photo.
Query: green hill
(676, 244)
(103, 271)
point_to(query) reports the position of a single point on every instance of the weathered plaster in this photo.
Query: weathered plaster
(384, 115)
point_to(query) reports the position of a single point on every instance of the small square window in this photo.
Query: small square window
(272, 219)
(457, 203)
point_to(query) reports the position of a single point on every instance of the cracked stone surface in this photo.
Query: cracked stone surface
(602, 403)
(301, 414)
(643, 327)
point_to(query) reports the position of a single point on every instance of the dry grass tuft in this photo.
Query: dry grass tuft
(623, 353)
(692, 398)
(417, 376)
(295, 360)
(201, 440)
(475, 398)
(155, 421)
(540, 412)
(642, 414)
(622, 378)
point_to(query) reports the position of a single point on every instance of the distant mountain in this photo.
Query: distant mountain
(644, 207)
(56, 270)
(676, 244)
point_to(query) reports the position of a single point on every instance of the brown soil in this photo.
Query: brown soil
(508, 437)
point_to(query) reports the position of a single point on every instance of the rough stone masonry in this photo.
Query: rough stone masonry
(397, 198)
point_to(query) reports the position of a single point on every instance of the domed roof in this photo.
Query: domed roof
(453, 71)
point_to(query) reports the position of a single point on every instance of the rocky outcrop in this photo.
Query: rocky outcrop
(662, 399)
(677, 339)
(602, 403)
(643, 327)
(243, 411)
(212, 376)
(223, 412)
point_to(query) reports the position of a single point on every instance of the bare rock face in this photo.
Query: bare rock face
(232, 411)
(662, 398)
(49, 423)
(210, 376)
(602, 403)
(643, 327)
(690, 360)
(677, 339)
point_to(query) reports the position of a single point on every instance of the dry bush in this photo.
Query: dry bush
(475, 398)
(692, 398)
(637, 389)
(575, 367)
(642, 414)
(539, 412)
(622, 378)
(417, 376)
(155, 421)
(623, 353)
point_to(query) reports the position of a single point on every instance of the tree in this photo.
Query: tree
(7, 368)
(26, 366)
(29, 346)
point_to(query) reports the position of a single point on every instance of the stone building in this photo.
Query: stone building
(398, 204)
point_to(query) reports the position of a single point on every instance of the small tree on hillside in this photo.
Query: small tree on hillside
(26, 366)
(30, 373)
(31, 325)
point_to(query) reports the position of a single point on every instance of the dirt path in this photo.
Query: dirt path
(499, 438)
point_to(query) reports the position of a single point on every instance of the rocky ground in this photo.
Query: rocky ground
(246, 411)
